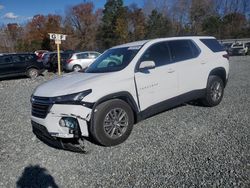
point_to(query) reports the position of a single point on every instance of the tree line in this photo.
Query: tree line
(98, 29)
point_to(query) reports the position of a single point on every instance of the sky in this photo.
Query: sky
(20, 11)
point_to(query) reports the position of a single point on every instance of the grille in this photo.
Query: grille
(40, 106)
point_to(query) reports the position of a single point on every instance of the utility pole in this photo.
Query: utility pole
(58, 40)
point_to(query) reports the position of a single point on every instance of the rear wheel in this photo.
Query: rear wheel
(214, 91)
(112, 122)
(77, 68)
(32, 73)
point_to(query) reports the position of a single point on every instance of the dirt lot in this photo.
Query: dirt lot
(189, 146)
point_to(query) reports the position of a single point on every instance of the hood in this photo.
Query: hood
(67, 84)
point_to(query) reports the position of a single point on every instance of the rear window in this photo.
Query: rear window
(213, 45)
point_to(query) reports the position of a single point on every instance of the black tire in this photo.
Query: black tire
(104, 120)
(32, 73)
(76, 68)
(214, 91)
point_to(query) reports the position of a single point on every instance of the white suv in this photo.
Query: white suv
(128, 83)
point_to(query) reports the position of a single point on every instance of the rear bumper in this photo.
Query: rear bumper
(67, 66)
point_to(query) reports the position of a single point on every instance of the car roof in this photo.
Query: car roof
(86, 52)
(28, 53)
(141, 43)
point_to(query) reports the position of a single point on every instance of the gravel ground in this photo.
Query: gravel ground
(189, 146)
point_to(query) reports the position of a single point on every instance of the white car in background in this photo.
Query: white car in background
(80, 60)
(238, 48)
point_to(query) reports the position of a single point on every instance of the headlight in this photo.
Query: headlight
(75, 97)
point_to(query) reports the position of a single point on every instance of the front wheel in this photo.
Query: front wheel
(214, 91)
(112, 122)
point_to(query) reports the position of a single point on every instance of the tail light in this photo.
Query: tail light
(69, 60)
(226, 56)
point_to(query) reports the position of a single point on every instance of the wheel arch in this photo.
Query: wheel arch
(124, 96)
(76, 65)
(31, 67)
(220, 72)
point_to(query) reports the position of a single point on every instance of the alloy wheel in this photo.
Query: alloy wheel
(115, 123)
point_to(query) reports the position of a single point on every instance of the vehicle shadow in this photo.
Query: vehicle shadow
(13, 78)
(196, 103)
(9, 78)
(67, 145)
(36, 176)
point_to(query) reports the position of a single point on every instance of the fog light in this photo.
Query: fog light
(68, 122)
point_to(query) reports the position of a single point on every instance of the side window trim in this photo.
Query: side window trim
(197, 47)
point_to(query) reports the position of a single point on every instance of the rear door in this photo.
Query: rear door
(19, 63)
(6, 65)
(160, 83)
(190, 68)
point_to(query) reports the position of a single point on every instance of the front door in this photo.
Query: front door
(160, 83)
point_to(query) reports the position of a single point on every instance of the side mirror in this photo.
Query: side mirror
(147, 65)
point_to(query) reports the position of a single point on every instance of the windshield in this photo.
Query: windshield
(113, 60)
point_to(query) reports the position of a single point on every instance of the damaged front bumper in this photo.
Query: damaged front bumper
(53, 120)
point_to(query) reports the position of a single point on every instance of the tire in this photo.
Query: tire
(106, 128)
(214, 91)
(32, 73)
(77, 68)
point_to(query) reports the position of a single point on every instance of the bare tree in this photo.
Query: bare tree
(81, 21)
(161, 6)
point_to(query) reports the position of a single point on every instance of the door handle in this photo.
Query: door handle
(203, 63)
(171, 70)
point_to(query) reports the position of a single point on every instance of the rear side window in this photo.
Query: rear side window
(27, 57)
(213, 45)
(83, 56)
(183, 50)
(16, 59)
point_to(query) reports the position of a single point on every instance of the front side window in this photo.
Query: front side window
(159, 53)
(93, 55)
(182, 50)
(113, 60)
